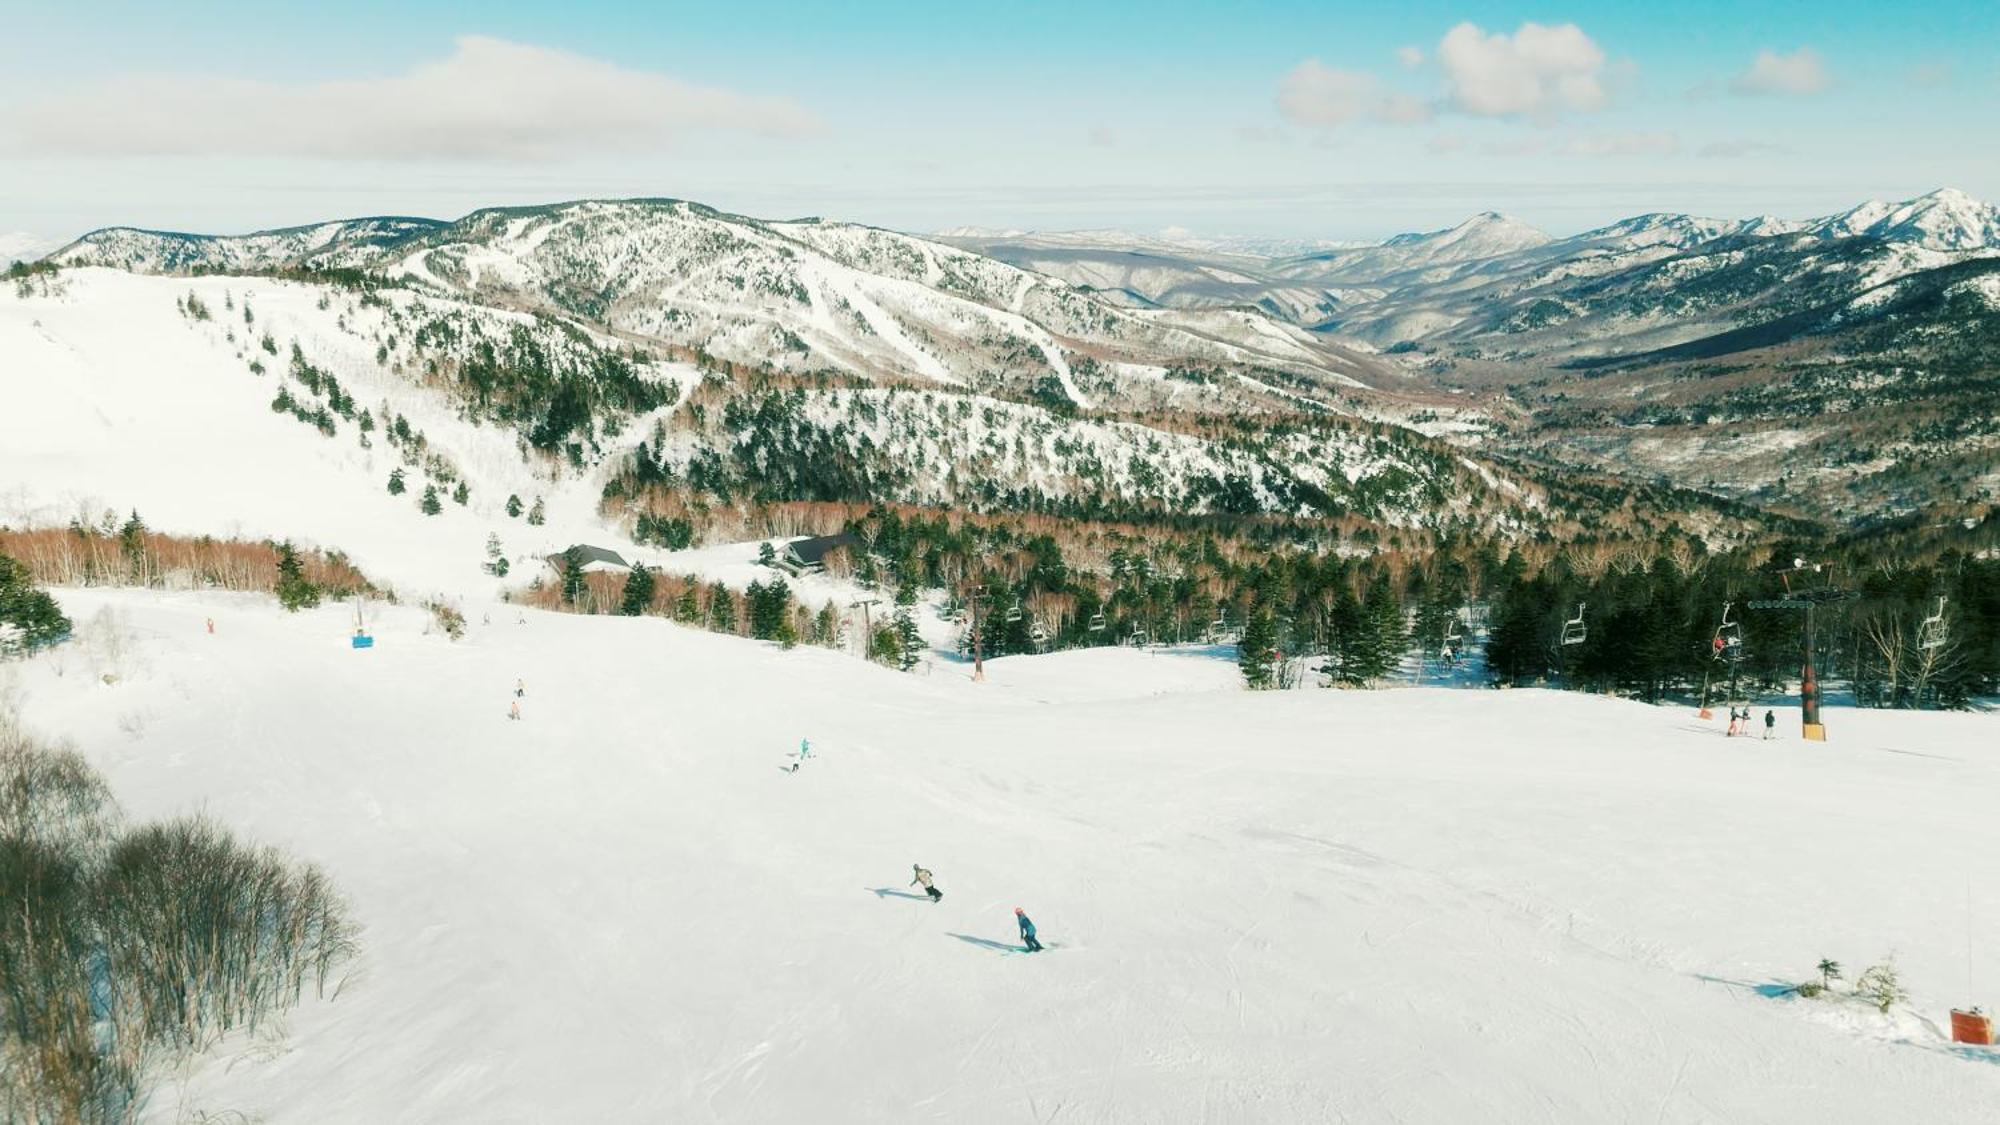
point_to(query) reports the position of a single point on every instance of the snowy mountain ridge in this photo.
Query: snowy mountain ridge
(800, 295)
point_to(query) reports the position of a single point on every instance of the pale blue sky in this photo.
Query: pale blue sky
(1322, 120)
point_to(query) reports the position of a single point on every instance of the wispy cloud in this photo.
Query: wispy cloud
(1798, 73)
(1733, 150)
(489, 99)
(1319, 95)
(1622, 144)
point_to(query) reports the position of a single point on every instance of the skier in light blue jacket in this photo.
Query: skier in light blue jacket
(1027, 930)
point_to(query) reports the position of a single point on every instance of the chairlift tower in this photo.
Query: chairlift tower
(1807, 587)
(867, 625)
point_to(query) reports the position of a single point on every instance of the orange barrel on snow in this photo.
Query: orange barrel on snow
(1971, 1027)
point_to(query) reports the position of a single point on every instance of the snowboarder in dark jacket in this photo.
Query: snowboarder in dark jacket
(1027, 930)
(1770, 721)
(923, 879)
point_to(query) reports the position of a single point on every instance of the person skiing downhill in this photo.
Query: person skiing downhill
(1770, 722)
(923, 879)
(805, 749)
(1027, 931)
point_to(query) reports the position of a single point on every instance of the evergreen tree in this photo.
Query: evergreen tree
(513, 506)
(770, 605)
(396, 485)
(766, 556)
(430, 503)
(461, 494)
(638, 591)
(294, 591)
(1256, 653)
(826, 626)
(885, 647)
(27, 612)
(721, 609)
(909, 642)
(132, 541)
(535, 516)
(687, 608)
(573, 581)
(496, 558)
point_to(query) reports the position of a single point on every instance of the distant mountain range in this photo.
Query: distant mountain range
(1399, 289)
(1837, 366)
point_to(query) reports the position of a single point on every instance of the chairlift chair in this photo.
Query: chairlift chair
(1038, 634)
(1138, 637)
(1574, 631)
(1932, 632)
(1096, 623)
(1728, 643)
(1013, 613)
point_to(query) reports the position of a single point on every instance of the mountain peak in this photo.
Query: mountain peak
(1945, 219)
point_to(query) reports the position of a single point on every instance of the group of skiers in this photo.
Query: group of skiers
(1740, 720)
(923, 879)
(514, 707)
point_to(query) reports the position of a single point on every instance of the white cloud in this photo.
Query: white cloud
(1320, 95)
(1538, 71)
(1410, 57)
(1800, 72)
(488, 99)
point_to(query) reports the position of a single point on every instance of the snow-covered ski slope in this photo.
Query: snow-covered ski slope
(1414, 906)
(113, 397)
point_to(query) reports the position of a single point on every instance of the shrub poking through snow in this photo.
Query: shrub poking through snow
(125, 948)
(447, 619)
(1880, 985)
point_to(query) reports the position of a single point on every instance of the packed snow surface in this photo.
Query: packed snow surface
(1415, 905)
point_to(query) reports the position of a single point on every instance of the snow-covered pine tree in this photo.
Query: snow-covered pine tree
(430, 504)
(396, 485)
(513, 506)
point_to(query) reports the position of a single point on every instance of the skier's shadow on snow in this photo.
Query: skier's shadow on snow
(891, 892)
(1769, 990)
(987, 943)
